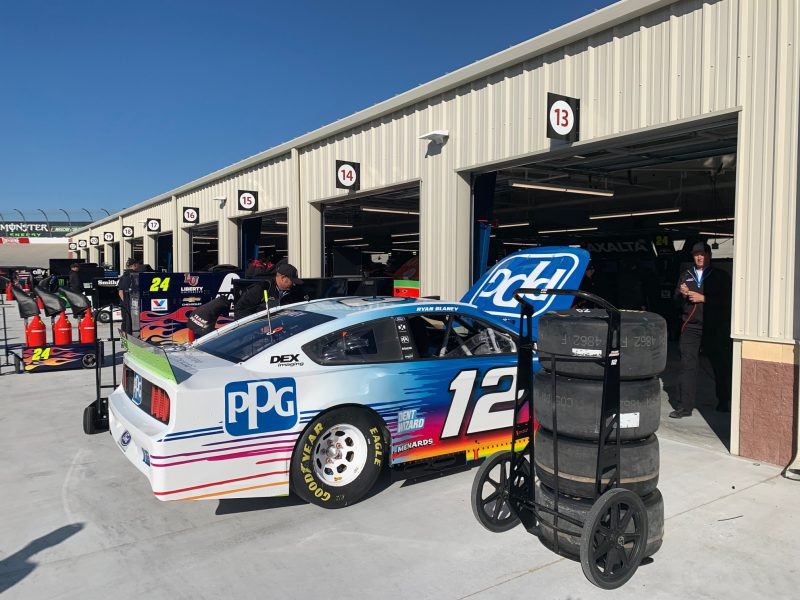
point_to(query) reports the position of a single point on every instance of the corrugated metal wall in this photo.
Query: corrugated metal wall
(684, 60)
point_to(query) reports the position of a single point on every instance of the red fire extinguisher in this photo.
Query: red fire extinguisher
(39, 303)
(26, 287)
(86, 328)
(36, 333)
(62, 330)
(9, 295)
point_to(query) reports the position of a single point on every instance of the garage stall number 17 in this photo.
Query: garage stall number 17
(483, 418)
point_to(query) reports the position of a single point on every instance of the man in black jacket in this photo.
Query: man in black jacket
(124, 286)
(278, 289)
(75, 283)
(704, 295)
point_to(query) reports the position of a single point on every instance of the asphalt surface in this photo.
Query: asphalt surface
(78, 521)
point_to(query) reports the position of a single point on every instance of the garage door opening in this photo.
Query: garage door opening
(638, 208)
(114, 258)
(137, 249)
(264, 237)
(204, 242)
(164, 252)
(373, 236)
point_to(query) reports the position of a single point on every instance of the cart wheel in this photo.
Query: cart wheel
(614, 538)
(490, 490)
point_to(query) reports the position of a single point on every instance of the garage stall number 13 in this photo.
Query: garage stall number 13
(483, 419)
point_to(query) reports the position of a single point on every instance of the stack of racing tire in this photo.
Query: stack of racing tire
(579, 391)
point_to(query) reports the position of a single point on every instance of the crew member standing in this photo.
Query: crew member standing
(704, 296)
(75, 284)
(124, 290)
(278, 288)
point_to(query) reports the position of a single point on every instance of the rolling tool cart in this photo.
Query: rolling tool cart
(95, 415)
(614, 534)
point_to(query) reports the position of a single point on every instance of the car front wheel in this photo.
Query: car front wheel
(339, 458)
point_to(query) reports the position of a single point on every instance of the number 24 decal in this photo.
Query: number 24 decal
(159, 285)
(40, 354)
(483, 419)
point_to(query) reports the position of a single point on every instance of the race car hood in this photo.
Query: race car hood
(555, 267)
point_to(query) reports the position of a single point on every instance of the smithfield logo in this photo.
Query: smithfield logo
(260, 406)
(550, 270)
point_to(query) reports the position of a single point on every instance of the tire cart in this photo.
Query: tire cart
(615, 531)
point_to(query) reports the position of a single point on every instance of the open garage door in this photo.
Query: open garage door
(264, 237)
(638, 206)
(374, 235)
(205, 247)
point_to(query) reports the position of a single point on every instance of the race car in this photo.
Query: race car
(320, 397)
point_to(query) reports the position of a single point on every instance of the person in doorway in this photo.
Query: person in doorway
(75, 284)
(278, 289)
(703, 294)
(203, 319)
(124, 286)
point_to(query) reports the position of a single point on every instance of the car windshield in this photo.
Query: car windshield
(245, 341)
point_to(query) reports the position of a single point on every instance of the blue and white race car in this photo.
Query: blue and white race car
(319, 397)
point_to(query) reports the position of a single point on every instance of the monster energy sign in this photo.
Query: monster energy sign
(37, 229)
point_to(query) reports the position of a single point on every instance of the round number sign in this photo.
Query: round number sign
(108, 237)
(190, 215)
(127, 231)
(562, 119)
(153, 225)
(247, 201)
(346, 175)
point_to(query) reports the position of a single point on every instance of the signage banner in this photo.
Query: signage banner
(563, 117)
(248, 200)
(348, 175)
(37, 229)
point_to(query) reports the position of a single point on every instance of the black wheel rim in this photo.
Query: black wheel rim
(617, 541)
(495, 505)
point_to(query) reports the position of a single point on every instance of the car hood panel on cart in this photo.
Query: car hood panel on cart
(554, 267)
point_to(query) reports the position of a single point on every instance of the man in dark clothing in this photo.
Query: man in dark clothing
(203, 319)
(75, 284)
(278, 289)
(124, 290)
(704, 295)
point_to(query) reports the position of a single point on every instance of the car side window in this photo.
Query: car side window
(456, 336)
(372, 342)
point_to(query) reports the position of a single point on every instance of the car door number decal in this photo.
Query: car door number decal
(463, 386)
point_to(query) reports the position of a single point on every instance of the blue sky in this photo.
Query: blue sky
(104, 104)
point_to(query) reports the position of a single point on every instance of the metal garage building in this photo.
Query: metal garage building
(659, 82)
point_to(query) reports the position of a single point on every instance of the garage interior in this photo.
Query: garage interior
(374, 236)
(638, 206)
(264, 236)
(204, 244)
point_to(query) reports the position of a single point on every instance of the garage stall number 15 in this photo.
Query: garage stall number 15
(483, 419)
(159, 285)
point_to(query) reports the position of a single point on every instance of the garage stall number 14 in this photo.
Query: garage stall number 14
(483, 419)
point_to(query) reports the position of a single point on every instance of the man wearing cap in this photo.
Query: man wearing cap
(124, 290)
(277, 288)
(704, 295)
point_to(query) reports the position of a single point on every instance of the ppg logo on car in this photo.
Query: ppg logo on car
(551, 268)
(260, 406)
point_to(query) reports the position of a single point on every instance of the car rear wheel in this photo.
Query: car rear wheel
(339, 458)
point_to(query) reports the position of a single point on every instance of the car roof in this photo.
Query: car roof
(349, 305)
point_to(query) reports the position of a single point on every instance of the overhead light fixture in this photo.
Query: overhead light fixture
(390, 211)
(281, 222)
(268, 246)
(638, 213)
(507, 225)
(274, 233)
(404, 250)
(439, 136)
(404, 234)
(493, 235)
(338, 226)
(716, 234)
(520, 244)
(549, 187)
(355, 245)
(569, 230)
(689, 222)
(406, 242)
(355, 239)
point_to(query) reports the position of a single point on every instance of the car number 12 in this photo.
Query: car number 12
(483, 419)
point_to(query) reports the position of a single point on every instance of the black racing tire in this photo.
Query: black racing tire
(579, 402)
(577, 461)
(88, 420)
(643, 342)
(363, 452)
(569, 538)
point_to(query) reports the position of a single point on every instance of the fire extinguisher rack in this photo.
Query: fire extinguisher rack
(95, 416)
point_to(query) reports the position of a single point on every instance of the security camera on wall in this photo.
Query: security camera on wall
(221, 199)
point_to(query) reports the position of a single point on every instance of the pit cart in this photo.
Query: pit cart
(614, 534)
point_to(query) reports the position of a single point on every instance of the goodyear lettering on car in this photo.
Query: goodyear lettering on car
(305, 469)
